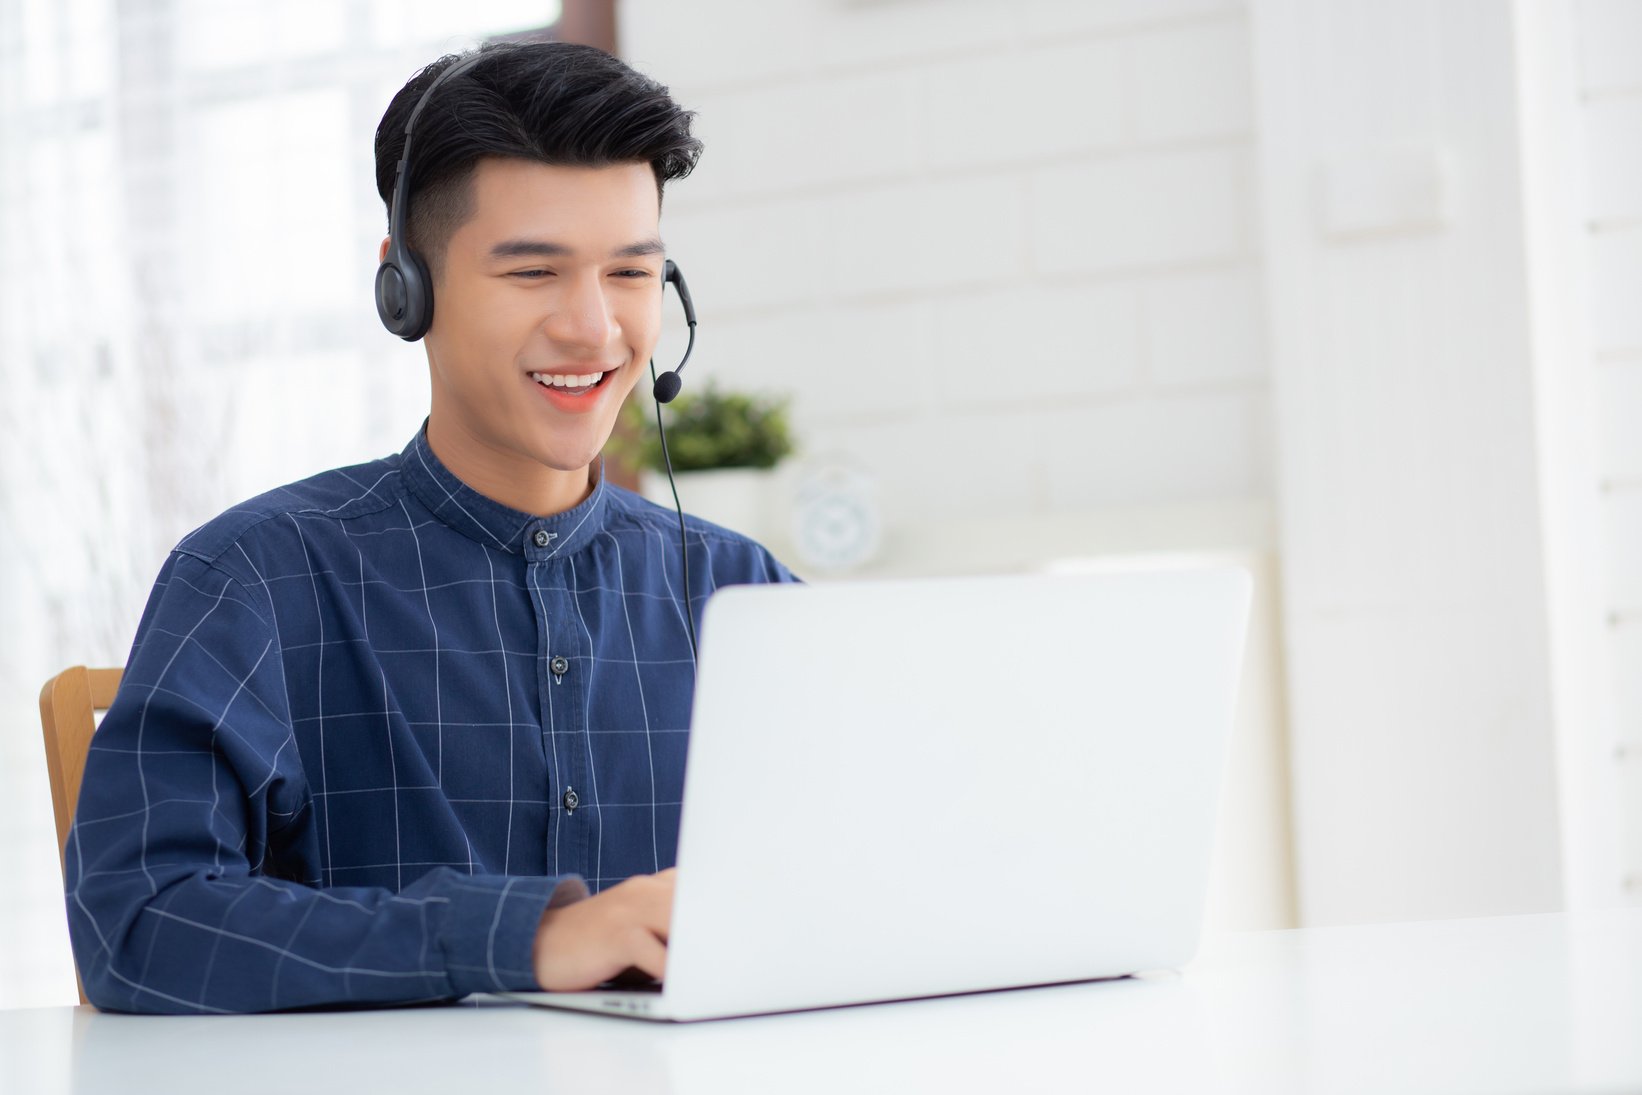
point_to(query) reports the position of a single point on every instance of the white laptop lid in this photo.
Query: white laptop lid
(908, 788)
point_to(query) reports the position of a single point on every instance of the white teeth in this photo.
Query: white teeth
(555, 380)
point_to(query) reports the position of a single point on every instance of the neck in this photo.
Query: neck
(506, 477)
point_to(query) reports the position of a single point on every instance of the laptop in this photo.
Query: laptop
(898, 789)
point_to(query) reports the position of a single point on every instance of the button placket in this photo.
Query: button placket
(564, 707)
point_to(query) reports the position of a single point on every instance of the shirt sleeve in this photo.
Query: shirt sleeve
(193, 796)
(776, 571)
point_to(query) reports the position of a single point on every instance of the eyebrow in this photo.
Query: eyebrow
(547, 249)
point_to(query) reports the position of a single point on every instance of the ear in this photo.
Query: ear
(382, 252)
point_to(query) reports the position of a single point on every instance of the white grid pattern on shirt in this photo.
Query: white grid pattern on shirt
(301, 707)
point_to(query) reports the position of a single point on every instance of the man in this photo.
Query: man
(416, 728)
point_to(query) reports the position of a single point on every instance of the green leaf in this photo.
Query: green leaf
(709, 429)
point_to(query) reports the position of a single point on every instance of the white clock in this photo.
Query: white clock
(835, 521)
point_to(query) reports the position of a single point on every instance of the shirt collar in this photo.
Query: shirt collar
(489, 522)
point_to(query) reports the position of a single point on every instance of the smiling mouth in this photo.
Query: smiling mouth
(572, 383)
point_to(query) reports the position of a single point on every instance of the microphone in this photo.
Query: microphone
(668, 384)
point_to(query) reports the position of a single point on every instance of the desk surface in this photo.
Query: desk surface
(1515, 1003)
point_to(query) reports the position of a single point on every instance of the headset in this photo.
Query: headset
(404, 301)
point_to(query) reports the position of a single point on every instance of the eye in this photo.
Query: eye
(531, 275)
(633, 274)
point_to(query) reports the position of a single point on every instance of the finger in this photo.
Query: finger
(650, 955)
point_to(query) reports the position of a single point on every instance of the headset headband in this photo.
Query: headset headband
(396, 215)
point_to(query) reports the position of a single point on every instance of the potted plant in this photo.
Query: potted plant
(725, 447)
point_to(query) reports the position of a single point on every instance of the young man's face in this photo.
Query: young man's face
(558, 273)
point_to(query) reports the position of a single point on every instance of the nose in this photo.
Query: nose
(581, 314)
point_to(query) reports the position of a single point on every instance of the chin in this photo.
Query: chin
(561, 459)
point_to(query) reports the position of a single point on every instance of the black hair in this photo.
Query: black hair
(550, 102)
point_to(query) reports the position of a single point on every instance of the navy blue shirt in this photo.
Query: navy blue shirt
(372, 725)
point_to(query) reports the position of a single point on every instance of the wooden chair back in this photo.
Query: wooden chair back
(68, 714)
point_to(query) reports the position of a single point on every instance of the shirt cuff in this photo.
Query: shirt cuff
(490, 929)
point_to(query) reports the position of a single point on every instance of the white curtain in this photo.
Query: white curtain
(188, 232)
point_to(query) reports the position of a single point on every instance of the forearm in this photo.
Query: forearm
(249, 943)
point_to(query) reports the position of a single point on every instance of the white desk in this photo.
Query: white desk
(1519, 1003)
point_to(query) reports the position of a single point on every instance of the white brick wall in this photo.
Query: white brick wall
(1008, 256)
(1002, 253)
(1624, 530)
(1611, 72)
(1449, 748)
(1610, 31)
(1205, 328)
(1141, 211)
(1053, 18)
(1627, 651)
(1614, 153)
(1616, 273)
(925, 235)
(1011, 104)
(1619, 395)
(1194, 81)
(1027, 347)
(1159, 448)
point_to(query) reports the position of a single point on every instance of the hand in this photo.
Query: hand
(583, 944)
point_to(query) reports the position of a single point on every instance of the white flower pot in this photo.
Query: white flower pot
(748, 500)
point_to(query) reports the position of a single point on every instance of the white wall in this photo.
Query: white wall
(1005, 258)
(1004, 254)
(1414, 578)
(1610, 78)
(1299, 269)
(1452, 688)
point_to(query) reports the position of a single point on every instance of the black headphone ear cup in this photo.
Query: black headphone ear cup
(418, 297)
(404, 294)
(390, 295)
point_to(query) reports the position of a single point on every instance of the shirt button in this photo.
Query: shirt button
(571, 799)
(559, 666)
(542, 538)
